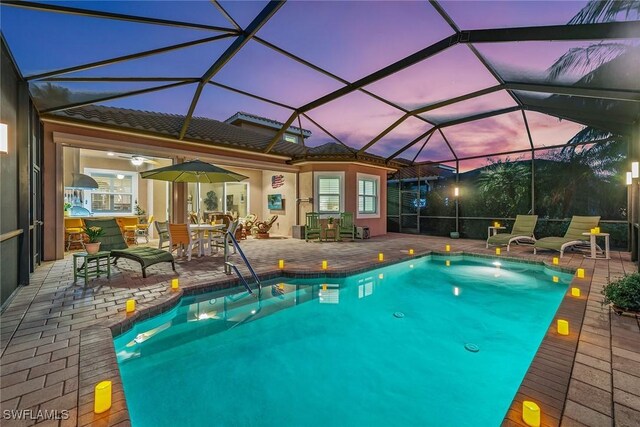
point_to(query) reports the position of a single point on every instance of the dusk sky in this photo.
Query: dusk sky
(348, 39)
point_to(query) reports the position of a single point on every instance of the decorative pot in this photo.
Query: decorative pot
(67, 213)
(330, 226)
(92, 248)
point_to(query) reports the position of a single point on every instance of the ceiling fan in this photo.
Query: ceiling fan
(137, 160)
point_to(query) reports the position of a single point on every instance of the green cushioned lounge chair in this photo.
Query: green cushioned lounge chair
(113, 241)
(522, 231)
(573, 236)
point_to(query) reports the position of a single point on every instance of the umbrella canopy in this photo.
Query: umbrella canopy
(193, 171)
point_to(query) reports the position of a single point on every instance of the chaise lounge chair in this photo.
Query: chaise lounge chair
(573, 236)
(113, 241)
(522, 231)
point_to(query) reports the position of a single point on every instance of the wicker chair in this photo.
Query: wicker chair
(260, 229)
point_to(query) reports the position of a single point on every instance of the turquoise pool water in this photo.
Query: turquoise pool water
(342, 354)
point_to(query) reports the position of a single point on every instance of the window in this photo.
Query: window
(291, 138)
(329, 195)
(330, 192)
(368, 198)
(116, 192)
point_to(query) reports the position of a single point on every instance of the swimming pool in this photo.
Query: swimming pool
(392, 346)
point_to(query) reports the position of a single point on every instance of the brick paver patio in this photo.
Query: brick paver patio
(56, 344)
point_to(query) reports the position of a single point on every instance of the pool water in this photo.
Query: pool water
(385, 347)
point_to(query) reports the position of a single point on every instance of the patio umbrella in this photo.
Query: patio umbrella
(193, 171)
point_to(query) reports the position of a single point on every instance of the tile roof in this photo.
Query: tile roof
(211, 131)
(242, 116)
(331, 148)
(200, 129)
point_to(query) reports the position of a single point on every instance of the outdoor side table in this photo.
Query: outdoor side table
(330, 233)
(89, 269)
(594, 246)
(492, 231)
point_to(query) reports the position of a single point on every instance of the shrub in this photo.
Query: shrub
(624, 292)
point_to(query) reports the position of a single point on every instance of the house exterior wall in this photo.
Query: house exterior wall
(377, 226)
(8, 174)
(287, 215)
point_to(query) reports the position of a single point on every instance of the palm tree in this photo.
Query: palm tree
(504, 188)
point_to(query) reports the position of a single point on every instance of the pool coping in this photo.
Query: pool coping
(98, 360)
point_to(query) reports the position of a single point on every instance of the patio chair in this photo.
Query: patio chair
(128, 228)
(312, 226)
(522, 230)
(219, 240)
(573, 236)
(261, 228)
(181, 238)
(142, 230)
(245, 225)
(113, 241)
(162, 228)
(346, 227)
(73, 231)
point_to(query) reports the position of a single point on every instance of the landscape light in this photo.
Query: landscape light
(575, 292)
(131, 305)
(102, 397)
(629, 178)
(174, 284)
(580, 273)
(563, 327)
(635, 170)
(531, 413)
(456, 191)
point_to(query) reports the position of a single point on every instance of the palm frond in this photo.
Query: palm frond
(585, 59)
(606, 11)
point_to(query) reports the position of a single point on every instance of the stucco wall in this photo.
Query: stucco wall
(286, 216)
(377, 226)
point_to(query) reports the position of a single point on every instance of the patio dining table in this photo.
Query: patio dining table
(201, 228)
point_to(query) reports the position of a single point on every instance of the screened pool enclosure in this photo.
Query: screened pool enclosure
(525, 107)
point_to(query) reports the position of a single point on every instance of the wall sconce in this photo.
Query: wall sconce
(4, 138)
(635, 170)
(629, 178)
(456, 191)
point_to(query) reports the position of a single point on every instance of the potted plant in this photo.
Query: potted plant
(330, 222)
(67, 208)
(138, 209)
(94, 234)
(623, 294)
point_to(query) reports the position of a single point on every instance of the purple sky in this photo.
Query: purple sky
(350, 39)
